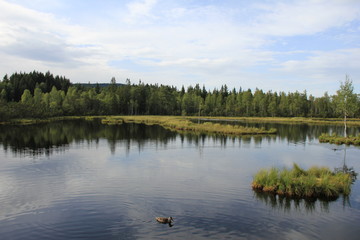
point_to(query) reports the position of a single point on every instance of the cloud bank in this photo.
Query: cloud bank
(272, 45)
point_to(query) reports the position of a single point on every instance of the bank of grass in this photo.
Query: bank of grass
(289, 120)
(185, 124)
(335, 139)
(293, 120)
(316, 182)
(29, 121)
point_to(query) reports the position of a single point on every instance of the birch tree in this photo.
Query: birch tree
(345, 100)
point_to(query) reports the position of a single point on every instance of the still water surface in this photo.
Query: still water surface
(84, 180)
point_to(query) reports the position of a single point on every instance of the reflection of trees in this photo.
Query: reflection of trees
(290, 204)
(127, 134)
(56, 136)
(45, 138)
(200, 139)
(295, 132)
(300, 133)
(345, 169)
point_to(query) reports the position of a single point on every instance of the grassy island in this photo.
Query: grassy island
(316, 182)
(175, 123)
(335, 139)
(185, 124)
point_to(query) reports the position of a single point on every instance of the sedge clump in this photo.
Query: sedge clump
(316, 182)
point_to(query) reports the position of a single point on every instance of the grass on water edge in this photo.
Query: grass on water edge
(176, 123)
(29, 121)
(185, 124)
(292, 120)
(335, 139)
(316, 182)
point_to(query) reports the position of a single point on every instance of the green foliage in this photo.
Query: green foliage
(346, 102)
(26, 98)
(335, 139)
(17, 83)
(48, 96)
(297, 182)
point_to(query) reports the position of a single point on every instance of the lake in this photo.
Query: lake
(80, 179)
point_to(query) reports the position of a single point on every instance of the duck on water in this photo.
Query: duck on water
(165, 220)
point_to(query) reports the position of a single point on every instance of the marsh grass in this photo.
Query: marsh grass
(111, 121)
(335, 139)
(317, 182)
(289, 120)
(185, 124)
(293, 120)
(29, 121)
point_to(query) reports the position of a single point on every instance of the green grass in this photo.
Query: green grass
(316, 182)
(185, 124)
(294, 120)
(289, 120)
(28, 121)
(335, 139)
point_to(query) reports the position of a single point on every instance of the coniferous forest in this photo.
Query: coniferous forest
(39, 95)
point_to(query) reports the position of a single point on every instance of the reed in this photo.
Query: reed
(335, 139)
(317, 182)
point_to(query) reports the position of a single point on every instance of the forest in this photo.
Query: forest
(39, 95)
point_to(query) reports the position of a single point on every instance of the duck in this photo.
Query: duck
(168, 220)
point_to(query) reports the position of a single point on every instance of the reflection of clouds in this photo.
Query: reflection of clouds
(90, 189)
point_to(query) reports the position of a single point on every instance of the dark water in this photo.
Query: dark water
(84, 180)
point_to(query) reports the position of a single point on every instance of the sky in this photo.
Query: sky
(271, 45)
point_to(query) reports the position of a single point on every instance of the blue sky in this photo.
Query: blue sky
(271, 45)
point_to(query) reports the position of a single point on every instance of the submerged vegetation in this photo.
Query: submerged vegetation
(316, 182)
(335, 139)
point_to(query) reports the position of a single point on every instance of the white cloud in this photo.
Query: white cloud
(139, 9)
(325, 61)
(181, 44)
(293, 18)
(322, 70)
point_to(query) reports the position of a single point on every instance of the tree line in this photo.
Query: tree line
(38, 95)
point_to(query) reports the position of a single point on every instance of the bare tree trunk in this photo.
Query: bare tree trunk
(345, 134)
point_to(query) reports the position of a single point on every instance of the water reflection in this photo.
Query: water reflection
(56, 136)
(345, 169)
(287, 204)
(90, 192)
(297, 133)
(52, 137)
(47, 138)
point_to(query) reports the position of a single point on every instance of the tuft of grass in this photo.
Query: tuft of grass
(112, 121)
(335, 139)
(317, 182)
